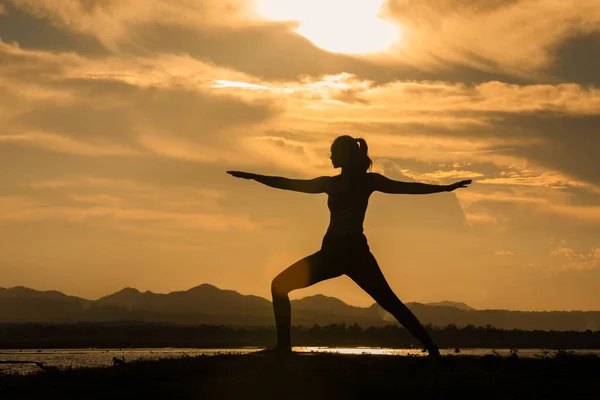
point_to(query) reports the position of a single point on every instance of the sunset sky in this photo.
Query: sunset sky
(118, 120)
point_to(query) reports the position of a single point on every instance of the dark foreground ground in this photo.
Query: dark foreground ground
(322, 376)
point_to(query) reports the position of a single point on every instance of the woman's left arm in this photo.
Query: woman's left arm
(386, 185)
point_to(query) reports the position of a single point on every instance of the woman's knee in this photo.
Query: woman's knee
(279, 287)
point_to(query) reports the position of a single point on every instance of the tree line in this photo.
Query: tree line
(129, 334)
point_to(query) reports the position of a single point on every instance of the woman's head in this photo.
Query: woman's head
(350, 154)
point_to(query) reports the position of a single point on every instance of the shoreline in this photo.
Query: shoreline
(317, 376)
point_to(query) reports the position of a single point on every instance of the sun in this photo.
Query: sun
(341, 26)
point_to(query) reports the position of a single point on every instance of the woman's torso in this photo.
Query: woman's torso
(348, 200)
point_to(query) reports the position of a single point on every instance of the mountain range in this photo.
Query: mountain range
(207, 304)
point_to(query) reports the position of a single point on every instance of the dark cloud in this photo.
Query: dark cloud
(399, 8)
(112, 110)
(583, 197)
(426, 126)
(568, 143)
(19, 66)
(91, 6)
(275, 51)
(556, 45)
(578, 60)
(37, 33)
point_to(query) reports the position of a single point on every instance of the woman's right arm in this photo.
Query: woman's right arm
(316, 185)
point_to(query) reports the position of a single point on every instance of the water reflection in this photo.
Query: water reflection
(79, 358)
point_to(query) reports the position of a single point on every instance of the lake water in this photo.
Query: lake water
(81, 358)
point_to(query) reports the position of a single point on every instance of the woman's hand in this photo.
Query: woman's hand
(458, 185)
(240, 174)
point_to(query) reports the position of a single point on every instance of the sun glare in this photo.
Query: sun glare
(341, 26)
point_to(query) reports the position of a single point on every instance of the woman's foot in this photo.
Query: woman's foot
(434, 353)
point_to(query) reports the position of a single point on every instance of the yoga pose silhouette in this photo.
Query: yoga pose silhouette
(344, 249)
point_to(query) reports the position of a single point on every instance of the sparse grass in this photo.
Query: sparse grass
(318, 376)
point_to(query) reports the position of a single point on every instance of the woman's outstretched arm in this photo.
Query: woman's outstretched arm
(386, 185)
(316, 185)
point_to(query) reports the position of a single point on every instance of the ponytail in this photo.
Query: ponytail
(364, 160)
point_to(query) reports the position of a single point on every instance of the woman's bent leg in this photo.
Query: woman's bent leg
(369, 277)
(303, 273)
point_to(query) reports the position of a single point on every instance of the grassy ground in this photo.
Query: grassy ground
(323, 376)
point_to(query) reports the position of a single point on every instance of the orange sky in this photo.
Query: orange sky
(119, 119)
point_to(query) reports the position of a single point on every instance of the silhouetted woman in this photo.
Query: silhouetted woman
(344, 248)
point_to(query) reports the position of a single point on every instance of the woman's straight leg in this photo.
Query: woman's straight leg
(303, 273)
(366, 273)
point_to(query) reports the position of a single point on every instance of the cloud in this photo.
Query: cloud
(203, 30)
(187, 100)
(516, 37)
(179, 149)
(567, 259)
(111, 20)
(532, 209)
(503, 253)
(492, 96)
(173, 106)
(539, 177)
(437, 43)
(103, 199)
(62, 144)
(439, 175)
(164, 221)
(132, 193)
(300, 157)
(37, 65)
(480, 218)
(89, 107)
(574, 60)
(569, 142)
(19, 25)
(128, 205)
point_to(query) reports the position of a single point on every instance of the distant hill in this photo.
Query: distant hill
(207, 304)
(455, 304)
(21, 292)
(21, 304)
(203, 299)
(322, 310)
